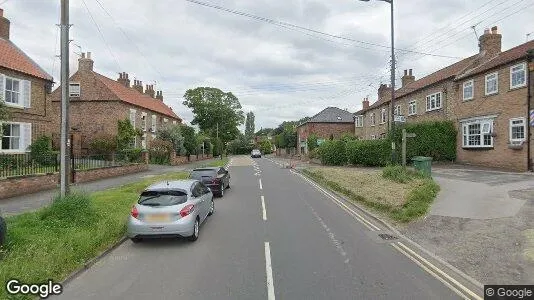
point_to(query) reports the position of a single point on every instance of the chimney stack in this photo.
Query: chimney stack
(138, 85)
(85, 63)
(150, 90)
(4, 26)
(123, 79)
(408, 78)
(365, 103)
(159, 95)
(490, 42)
(384, 92)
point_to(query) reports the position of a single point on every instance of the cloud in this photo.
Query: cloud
(279, 73)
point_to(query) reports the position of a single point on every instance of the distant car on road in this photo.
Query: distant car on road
(171, 209)
(3, 231)
(217, 179)
(255, 153)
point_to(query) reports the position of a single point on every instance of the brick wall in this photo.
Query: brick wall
(27, 184)
(507, 104)
(91, 175)
(40, 113)
(23, 185)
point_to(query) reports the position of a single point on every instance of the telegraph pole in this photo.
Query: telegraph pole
(64, 141)
(392, 110)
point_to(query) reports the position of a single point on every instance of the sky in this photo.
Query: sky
(325, 53)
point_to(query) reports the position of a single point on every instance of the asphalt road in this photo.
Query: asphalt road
(296, 243)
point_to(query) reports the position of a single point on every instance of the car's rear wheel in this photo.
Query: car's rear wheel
(136, 240)
(196, 229)
(228, 186)
(212, 207)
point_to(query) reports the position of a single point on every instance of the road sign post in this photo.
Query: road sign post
(405, 136)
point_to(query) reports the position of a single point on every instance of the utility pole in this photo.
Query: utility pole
(64, 140)
(392, 109)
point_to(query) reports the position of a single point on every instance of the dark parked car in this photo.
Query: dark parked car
(217, 179)
(255, 153)
(3, 231)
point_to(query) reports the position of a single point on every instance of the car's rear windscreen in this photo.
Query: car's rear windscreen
(197, 174)
(162, 198)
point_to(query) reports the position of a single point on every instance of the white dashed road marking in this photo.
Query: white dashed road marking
(263, 210)
(269, 272)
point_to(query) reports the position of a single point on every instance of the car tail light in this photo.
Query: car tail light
(186, 210)
(134, 212)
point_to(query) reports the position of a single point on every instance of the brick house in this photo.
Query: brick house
(24, 87)
(97, 103)
(477, 94)
(331, 122)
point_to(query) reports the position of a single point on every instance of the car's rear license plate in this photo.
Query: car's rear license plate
(158, 218)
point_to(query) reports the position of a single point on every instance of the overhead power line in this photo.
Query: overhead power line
(101, 34)
(297, 27)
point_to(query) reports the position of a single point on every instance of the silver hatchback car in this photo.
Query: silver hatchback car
(171, 209)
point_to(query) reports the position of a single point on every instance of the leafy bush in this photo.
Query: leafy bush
(313, 153)
(130, 155)
(312, 142)
(265, 146)
(74, 210)
(126, 134)
(239, 146)
(173, 134)
(399, 174)
(160, 152)
(103, 144)
(433, 139)
(41, 151)
(370, 153)
(333, 153)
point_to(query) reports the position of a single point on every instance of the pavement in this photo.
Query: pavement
(274, 234)
(34, 201)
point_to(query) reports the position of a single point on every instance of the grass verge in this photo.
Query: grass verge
(53, 242)
(411, 204)
(217, 162)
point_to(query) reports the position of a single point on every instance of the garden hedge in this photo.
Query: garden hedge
(333, 153)
(369, 153)
(433, 139)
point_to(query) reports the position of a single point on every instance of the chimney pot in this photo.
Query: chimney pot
(486, 31)
(405, 72)
(494, 30)
(410, 72)
(4, 26)
(1, 12)
(83, 54)
(490, 42)
(89, 55)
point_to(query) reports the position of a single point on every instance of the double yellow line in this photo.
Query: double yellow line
(430, 268)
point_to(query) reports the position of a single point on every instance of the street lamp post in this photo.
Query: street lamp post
(391, 114)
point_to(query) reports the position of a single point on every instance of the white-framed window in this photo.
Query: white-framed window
(359, 121)
(173, 122)
(518, 75)
(468, 90)
(492, 83)
(477, 133)
(144, 121)
(373, 137)
(74, 89)
(433, 101)
(16, 137)
(398, 110)
(412, 108)
(383, 116)
(15, 92)
(165, 120)
(373, 119)
(132, 117)
(153, 127)
(518, 129)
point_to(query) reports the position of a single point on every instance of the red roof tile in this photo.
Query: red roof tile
(11, 57)
(501, 59)
(132, 96)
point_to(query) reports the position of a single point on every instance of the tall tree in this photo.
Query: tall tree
(215, 111)
(249, 126)
(190, 141)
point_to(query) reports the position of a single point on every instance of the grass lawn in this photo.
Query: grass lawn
(400, 194)
(55, 241)
(217, 162)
